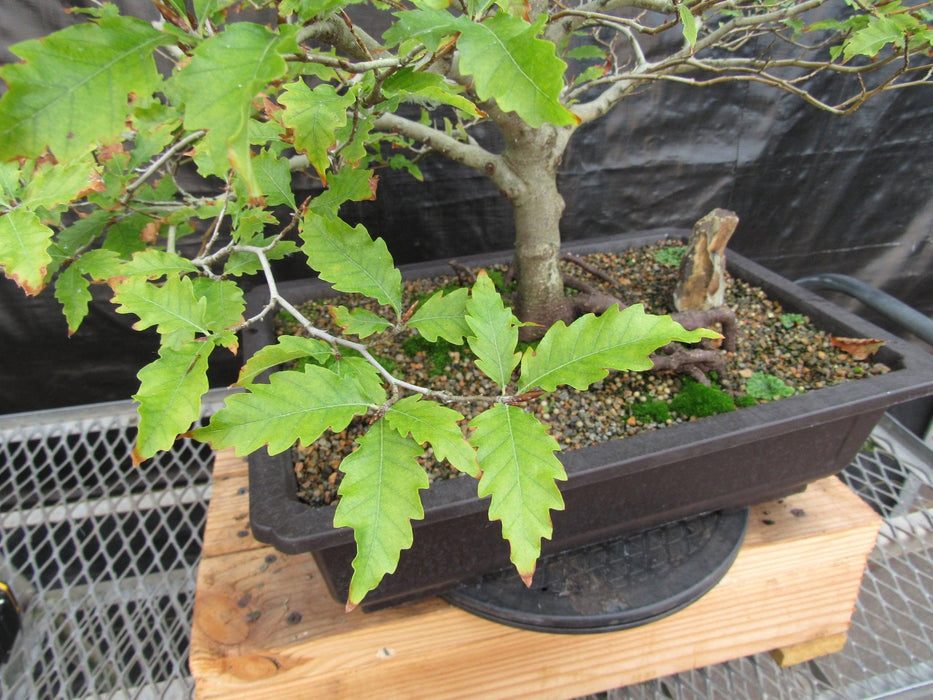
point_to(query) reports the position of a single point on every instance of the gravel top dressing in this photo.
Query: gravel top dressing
(778, 354)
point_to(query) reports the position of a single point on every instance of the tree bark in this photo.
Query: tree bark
(533, 156)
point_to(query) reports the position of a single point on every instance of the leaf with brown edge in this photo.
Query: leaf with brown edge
(857, 348)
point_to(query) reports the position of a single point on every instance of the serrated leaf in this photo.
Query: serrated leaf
(24, 249)
(510, 63)
(288, 349)
(419, 87)
(584, 351)
(430, 27)
(225, 302)
(153, 263)
(71, 291)
(207, 8)
(430, 422)
(309, 9)
(350, 260)
(171, 307)
(379, 497)
(315, 116)
(274, 179)
(689, 22)
(348, 185)
(879, 32)
(520, 471)
(73, 88)
(443, 316)
(359, 322)
(169, 396)
(54, 184)
(292, 406)
(494, 337)
(218, 87)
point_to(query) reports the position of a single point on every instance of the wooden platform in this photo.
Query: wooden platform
(264, 626)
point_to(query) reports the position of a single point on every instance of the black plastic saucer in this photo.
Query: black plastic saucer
(617, 584)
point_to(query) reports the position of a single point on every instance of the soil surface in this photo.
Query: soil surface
(770, 340)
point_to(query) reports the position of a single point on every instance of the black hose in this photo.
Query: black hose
(897, 311)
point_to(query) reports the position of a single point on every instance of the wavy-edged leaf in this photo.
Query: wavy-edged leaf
(309, 9)
(153, 263)
(218, 87)
(292, 406)
(443, 316)
(494, 336)
(315, 116)
(379, 497)
(24, 249)
(430, 422)
(430, 27)
(225, 302)
(584, 351)
(72, 292)
(54, 184)
(73, 88)
(420, 87)
(347, 185)
(350, 260)
(359, 322)
(170, 391)
(171, 307)
(520, 471)
(288, 349)
(274, 179)
(511, 64)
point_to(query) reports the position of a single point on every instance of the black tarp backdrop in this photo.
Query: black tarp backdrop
(815, 193)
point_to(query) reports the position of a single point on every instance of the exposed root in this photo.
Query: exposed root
(693, 361)
(723, 315)
(592, 269)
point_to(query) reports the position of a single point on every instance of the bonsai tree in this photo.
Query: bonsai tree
(103, 124)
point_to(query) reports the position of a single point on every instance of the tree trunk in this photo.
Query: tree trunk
(533, 155)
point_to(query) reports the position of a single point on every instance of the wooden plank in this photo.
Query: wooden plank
(264, 625)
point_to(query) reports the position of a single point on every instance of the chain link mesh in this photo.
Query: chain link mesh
(103, 557)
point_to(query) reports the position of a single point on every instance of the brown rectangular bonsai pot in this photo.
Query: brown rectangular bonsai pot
(730, 460)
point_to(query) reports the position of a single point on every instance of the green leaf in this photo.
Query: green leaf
(24, 249)
(9, 183)
(71, 290)
(520, 470)
(443, 316)
(74, 87)
(350, 260)
(494, 336)
(689, 22)
(379, 497)
(169, 397)
(288, 349)
(274, 179)
(292, 406)
(309, 9)
(153, 263)
(54, 184)
(315, 116)
(348, 185)
(218, 87)
(171, 307)
(359, 322)
(431, 27)
(225, 302)
(204, 9)
(509, 63)
(584, 351)
(587, 52)
(879, 32)
(430, 422)
(419, 87)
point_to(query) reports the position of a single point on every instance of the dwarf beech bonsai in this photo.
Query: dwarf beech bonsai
(103, 123)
